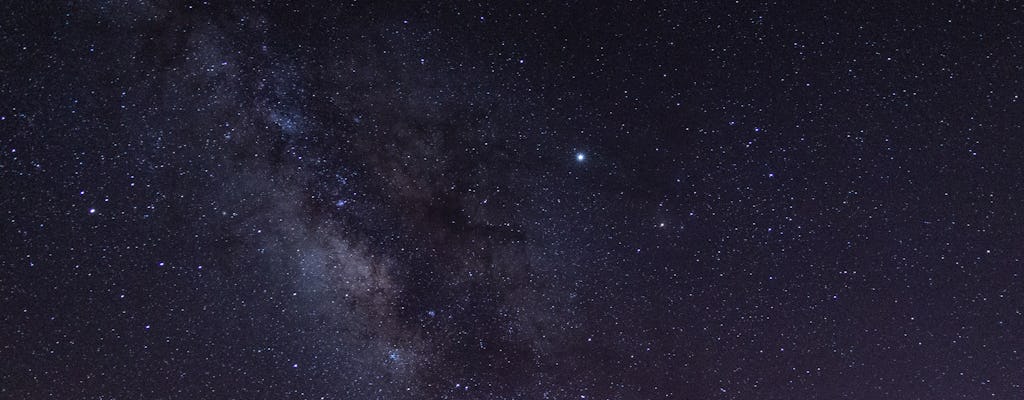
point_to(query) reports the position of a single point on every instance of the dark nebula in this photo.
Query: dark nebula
(459, 200)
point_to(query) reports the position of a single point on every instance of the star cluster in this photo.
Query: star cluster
(455, 200)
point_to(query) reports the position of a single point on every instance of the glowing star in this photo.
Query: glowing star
(581, 157)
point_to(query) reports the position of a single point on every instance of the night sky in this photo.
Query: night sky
(456, 200)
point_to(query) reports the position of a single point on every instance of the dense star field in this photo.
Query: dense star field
(456, 200)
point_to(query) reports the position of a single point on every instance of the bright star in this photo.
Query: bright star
(581, 157)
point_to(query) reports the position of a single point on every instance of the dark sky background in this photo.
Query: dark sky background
(454, 200)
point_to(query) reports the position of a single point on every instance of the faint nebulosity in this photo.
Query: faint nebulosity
(461, 200)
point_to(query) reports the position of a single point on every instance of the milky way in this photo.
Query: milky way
(470, 201)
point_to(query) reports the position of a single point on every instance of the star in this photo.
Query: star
(581, 157)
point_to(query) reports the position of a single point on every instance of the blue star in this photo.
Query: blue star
(581, 157)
